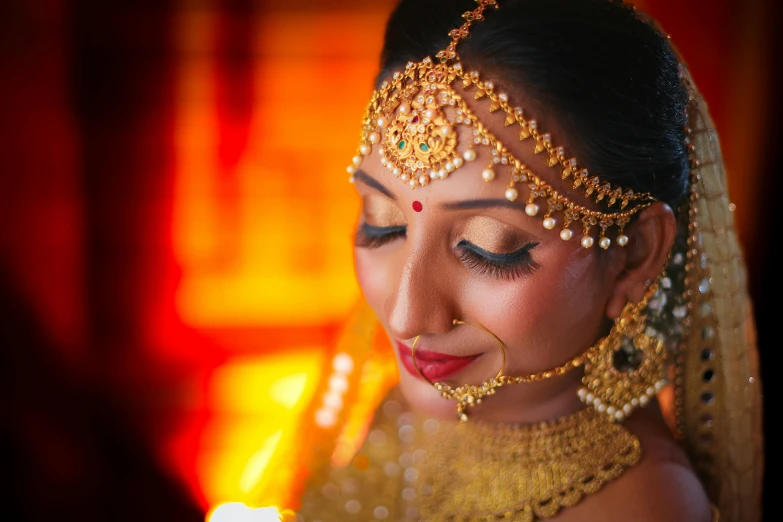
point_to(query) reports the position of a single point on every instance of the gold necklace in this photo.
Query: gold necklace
(411, 468)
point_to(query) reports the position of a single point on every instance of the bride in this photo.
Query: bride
(545, 246)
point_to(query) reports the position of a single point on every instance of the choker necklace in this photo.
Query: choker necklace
(412, 468)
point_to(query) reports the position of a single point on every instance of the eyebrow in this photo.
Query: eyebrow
(371, 182)
(481, 203)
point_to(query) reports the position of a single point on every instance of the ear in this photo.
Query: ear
(650, 239)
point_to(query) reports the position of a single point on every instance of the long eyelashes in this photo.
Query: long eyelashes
(501, 266)
(483, 262)
(369, 236)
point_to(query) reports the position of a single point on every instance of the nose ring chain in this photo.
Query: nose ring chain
(469, 395)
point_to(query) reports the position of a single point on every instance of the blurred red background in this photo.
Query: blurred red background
(176, 224)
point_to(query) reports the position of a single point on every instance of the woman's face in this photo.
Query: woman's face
(458, 249)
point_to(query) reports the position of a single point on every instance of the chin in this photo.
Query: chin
(422, 398)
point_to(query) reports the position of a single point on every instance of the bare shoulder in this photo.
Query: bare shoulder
(655, 490)
(662, 486)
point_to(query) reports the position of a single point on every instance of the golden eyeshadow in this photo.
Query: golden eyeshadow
(382, 212)
(492, 235)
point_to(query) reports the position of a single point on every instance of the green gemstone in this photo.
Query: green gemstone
(401, 144)
(424, 147)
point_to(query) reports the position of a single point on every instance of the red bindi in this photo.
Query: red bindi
(417, 206)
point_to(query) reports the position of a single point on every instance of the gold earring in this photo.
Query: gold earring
(626, 369)
(467, 395)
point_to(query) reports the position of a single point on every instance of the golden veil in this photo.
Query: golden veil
(717, 387)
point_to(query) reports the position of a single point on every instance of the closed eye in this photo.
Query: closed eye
(501, 266)
(369, 236)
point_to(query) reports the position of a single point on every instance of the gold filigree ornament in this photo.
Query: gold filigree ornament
(415, 116)
(490, 471)
(627, 368)
(413, 468)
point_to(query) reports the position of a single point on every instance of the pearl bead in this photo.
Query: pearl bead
(488, 174)
(443, 174)
(405, 177)
(627, 409)
(604, 242)
(334, 400)
(433, 174)
(549, 223)
(374, 137)
(429, 113)
(587, 241)
(351, 169)
(511, 194)
(412, 183)
(531, 209)
(423, 180)
(566, 234)
(449, 166)
(619, 415)
(622, 240)
(364, 149)
(357, 160)
(469, 155)
(384, 161)
(610, 410)
(396, 171)
(325, 418)
(643, 400)
(446, 130)
(457, 162)
(405, 108)
(590, 397)
(382, 122)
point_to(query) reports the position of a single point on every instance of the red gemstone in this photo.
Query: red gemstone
(417, 206)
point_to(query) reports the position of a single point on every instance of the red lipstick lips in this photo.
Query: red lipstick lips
(435, 366)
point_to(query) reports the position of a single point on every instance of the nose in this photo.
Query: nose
(423, 301)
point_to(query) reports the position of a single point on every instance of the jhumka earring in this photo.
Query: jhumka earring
(626, 368)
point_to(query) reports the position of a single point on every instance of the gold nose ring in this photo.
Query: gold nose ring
(466, 395)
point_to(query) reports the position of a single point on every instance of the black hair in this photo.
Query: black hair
(608, 78)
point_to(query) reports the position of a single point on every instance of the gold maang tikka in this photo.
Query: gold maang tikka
(415, 116)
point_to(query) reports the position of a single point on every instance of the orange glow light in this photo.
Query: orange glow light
(263, 241)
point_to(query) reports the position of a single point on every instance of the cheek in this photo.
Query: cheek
(554, 290)
(373, 277)
(363, 272)
(545, 316)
